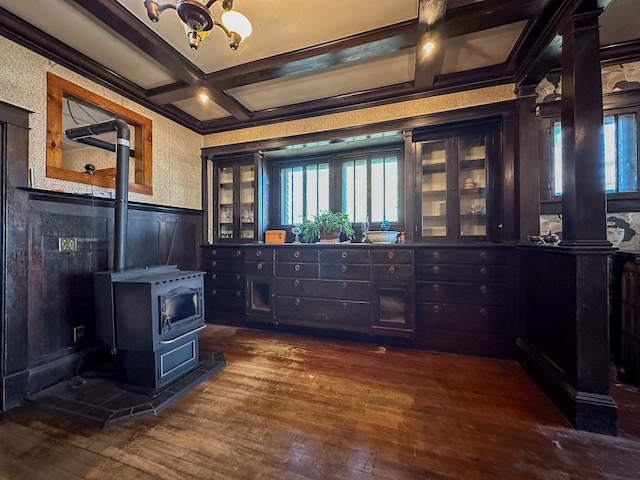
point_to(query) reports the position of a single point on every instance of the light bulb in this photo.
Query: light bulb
(236, 22)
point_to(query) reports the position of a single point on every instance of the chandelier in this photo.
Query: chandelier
(198, 20)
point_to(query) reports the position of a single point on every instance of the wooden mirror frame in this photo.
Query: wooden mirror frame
(56, 89)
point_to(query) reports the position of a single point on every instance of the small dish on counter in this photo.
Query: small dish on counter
(387, 236)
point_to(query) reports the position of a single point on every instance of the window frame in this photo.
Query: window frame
(551, 204)
(336, 161)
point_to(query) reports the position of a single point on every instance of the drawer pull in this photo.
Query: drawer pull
(296, 302)
(237, 277)
(296, 254)
(344, 285)
(344, 305)
(238, 253)
(436, 269)
(259, 267)
(483, 255)
(259, 253)
(343, 268)
(435, 254)
(296, 267)
(483, 271)
(483, 288)
(238, 293)
(213, 253)
(436, 308)
(213, 276)
(344, 254)
(436, 287)
(391, 270)
(296, 282)
(391, 255)
(214, 263)
(483, 312)
(214, 292)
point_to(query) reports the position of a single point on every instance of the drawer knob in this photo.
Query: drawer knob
(237, 277)
(259, 266)
(213, 276)
(259, 253)
(483, 288)
(391, 255)
(296, 254)
(436, 287)
(435, 254)
(343, 268)
(296, 302)
(238, 253)
(238, 293)
(296, 267)
(483, 271)
(214, 253)
(214, 263)
(483, 255)
(344, 254)
(436, 269)
(483, 312)
(436, 308)
(344, 305)
(344, 285)
(214, 292)
(391, 270)
(296, 282)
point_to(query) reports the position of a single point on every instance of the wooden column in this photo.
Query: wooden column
(528, 165)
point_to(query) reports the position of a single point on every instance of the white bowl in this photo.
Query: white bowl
(382, 237)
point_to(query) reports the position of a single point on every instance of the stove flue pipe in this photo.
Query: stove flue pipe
(122, 180)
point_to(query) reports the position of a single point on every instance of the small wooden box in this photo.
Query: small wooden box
(274, 236)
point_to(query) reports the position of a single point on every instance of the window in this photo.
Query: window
(361, 185)
(305, 191)
(620, 154)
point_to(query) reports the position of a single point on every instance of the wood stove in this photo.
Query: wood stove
(150, 316)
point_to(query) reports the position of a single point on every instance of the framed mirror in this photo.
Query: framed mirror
(94, 161)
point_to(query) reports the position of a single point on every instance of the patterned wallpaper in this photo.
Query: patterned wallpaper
(176, 150)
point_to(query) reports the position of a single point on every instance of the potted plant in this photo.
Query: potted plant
(327, 226)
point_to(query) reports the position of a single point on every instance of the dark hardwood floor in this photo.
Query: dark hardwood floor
(294, 407)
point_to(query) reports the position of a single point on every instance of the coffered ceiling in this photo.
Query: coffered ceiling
(303, 57)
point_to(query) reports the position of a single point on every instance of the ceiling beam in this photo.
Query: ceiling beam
(124, 23)
(429, 62)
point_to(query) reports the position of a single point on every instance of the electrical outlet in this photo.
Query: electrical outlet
(67, 244)
(78, 334)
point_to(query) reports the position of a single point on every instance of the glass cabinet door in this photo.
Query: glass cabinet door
(247, 202)
(472, 175)
(225, 217)
(434, 189)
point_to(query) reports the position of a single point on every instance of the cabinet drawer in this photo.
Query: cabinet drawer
(346, 315)
(225, 280)
(259, 254)
(463, 318)
(460, 257)
(344, 255)
(228, 266)
(392, 273)
(346, 272)
(391, 256)
(465, 293)
(294, 254)
(261, 269)
(297, 270)
(224, 299)
(330, 289)
(217, 252)
(462, 273)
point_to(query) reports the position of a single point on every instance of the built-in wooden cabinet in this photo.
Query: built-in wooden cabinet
(448, 297)
(455, 185)
(237, 192)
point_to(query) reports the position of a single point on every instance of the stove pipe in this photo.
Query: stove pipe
(122, 180)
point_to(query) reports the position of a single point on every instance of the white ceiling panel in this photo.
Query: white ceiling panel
(206, 110)
(480, 49)
(389, 70)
